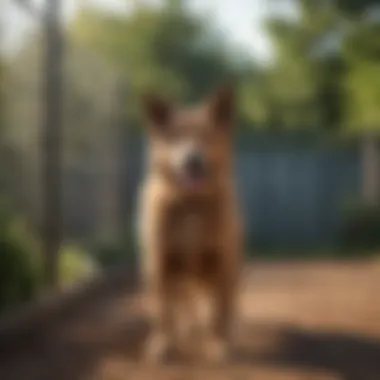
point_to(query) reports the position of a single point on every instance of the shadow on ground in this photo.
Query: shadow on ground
(101, 339)
(350, 357)
(79, 358)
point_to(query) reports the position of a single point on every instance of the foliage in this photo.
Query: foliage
(361, 227)
(165, 49)
(325, 72)
(21, 276)
(362, 51)
(75, 265)
(20, 272)
(304, 82)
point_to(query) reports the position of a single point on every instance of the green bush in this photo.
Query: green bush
(20, 271)
(361, 227)
(74, 265)
(21, 275)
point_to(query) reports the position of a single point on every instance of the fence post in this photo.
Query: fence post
(51, 140)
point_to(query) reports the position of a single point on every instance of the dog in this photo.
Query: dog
(190, 231)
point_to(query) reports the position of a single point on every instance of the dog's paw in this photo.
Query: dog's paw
(155, 348)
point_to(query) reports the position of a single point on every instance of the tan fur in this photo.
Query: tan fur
(190, 243)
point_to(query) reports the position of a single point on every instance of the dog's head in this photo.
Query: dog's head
(190, 146)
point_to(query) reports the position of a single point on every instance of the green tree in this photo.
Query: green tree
(361, 51)
(304, 83)
(362, 54)
(330, 58)
(164, 49)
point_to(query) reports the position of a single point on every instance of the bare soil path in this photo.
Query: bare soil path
(300, 321)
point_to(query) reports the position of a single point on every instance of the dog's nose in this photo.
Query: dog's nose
(195, 164)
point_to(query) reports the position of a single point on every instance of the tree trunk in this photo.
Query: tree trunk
(51, 141)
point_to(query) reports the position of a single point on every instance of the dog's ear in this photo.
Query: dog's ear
(221, 105)
(157, 110)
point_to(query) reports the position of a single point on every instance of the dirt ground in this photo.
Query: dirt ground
(299, 321)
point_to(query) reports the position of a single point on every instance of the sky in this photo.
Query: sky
(240, 20)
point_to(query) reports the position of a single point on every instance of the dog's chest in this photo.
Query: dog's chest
(191, 228)
(193, 237)
(190, 231)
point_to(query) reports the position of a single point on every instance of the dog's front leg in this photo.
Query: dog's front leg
(161, 320)
(218, 345)
(225, 311)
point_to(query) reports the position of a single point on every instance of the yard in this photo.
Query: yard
(317, 320)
